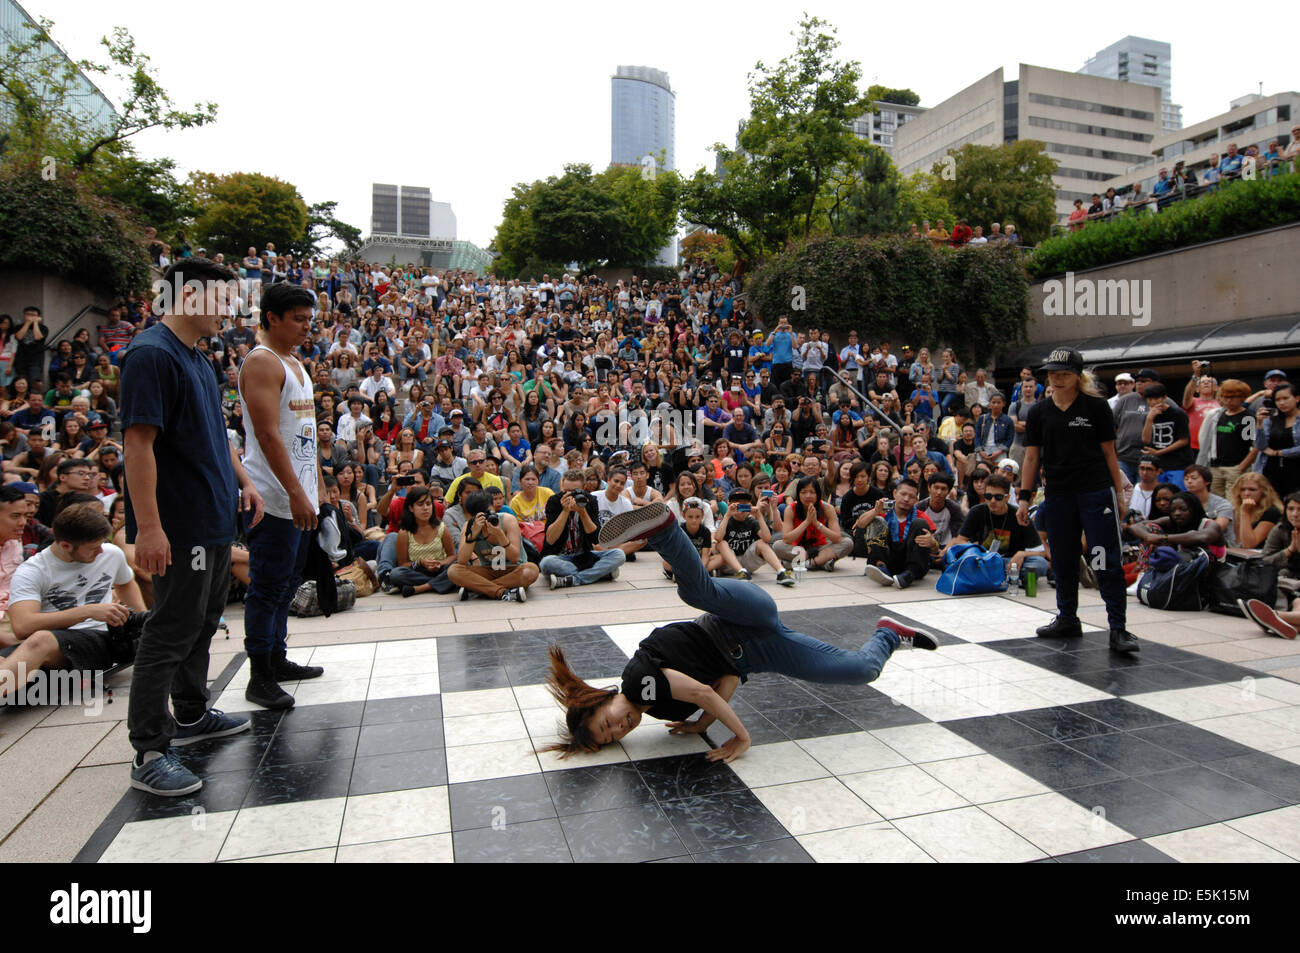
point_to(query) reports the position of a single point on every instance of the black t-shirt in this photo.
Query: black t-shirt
(1230, 444)
(1071, 442)
(983, 527)
(696, 649)
(741, 534)
(1270, 515)
(736, 358)
(1170, 426)
(853, 506)
(701, 539)
(575, 542)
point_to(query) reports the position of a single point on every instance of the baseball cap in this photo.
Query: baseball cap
(457, 412)
(1147, 374)
(442, 445)
(97, 425)
(1128, 378)
(1275, 373)
(25, 487)
(1064, 359)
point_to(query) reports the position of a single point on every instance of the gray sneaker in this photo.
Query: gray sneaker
(213, 724)
(876, 574)
(163, 774)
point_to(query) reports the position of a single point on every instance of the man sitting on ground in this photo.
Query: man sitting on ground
(569, 557)
(900, 554)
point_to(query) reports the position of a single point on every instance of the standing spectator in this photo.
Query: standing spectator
(1123, 385)
(1078, 217)
(1226, 445)
(1130, 415)
(1277, 440)
(1165, 434)
(1199, 398)
(1072, 435)
(182, 525)
(781, 346)
(29, 358)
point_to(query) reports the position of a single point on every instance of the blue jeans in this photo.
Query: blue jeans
(748, 614)
(1130, 471)
(277, 553)
(945, 400)
(387, 557)
(1034, 564)
(607, 560)
(1096, 516)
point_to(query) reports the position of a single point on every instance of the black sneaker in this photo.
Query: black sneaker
(876, 574)
(904, 579)
(561, 582)
(464, 594)
(283, 670)
(668, 574)
(743, 574)
(1122, 640)
(785, 578)
(631, 557)
(408, 591)
(1060, 628)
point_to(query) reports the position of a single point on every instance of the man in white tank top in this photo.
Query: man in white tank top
(280, 459)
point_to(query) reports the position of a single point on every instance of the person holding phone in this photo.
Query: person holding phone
(1072, 436)
(744, 541)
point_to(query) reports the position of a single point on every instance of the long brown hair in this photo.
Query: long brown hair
(580, 702)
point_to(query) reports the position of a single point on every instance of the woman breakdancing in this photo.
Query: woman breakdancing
(687, 666)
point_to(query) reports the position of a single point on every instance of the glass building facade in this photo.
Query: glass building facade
(1137, 60)
(642, 119)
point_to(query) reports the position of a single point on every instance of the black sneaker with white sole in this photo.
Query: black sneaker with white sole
(876, 574)
(636, 524)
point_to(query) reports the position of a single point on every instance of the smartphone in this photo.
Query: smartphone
(768, 493)
(743, 507)
(405, 480)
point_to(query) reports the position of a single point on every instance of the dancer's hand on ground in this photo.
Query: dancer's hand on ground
(730, 751)
(697, 727)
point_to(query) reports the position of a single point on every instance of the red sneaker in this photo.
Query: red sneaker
(1263, 615)
(917, 638)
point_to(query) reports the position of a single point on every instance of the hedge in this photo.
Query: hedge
(975, 300)
(58, 227)
(1235, 208)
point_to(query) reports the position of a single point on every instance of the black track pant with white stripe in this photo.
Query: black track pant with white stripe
(1094, 515)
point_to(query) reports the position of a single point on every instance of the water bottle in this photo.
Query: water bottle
(800, 566)
(1013, 578)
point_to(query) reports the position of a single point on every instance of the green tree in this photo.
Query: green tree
(149, 188)
(1007, 183)
(246, 209)
(648, 206)
(323, 225)
(884, 94)
(867, 198)
(39, 90)
(920, 201)
(797, 138)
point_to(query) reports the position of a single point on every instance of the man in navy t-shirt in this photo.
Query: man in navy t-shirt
(183, 482)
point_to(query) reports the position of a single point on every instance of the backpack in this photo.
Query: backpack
(1180, 587)
(306, 601)
(970, 569)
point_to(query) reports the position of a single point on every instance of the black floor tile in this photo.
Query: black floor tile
(683, 776)
(400, 736)
(1116, 681)
(600, 787)
(265, 720)
(1136, 807)
(1266, 772)
(815, 721)
(841, 693)
(1129, 754)
(623, 835)
(1195, 744)
(455, 679)
(1094, 659)
(220, 792)
(532, 842)
(995, 732)
(1220, 797)
(1165, 677)
(499, 802)
(1026, 649)
(307, 781)
(787, 850)
(410, 708)
(1121, 714)
(300, 746)
(683, 859)
(320, 717)
(723, 820)
(243, 752)
(870, 714)
(1063, 663)
(775, 695)
(398, 772)
(1218, 671)
(1129, 852)
(1057, 766)
(1061, 723)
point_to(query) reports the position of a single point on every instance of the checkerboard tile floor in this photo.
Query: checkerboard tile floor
(997, 747)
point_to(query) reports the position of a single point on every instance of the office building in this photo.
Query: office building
(643, 123)
(1095, 128)
(407, 225)
(1138, 60)
(880, 127)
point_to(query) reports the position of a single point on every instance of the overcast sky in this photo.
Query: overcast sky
(470, 98)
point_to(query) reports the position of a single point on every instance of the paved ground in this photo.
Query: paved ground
(421, 743)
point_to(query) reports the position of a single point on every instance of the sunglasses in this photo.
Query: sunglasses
(995, 496)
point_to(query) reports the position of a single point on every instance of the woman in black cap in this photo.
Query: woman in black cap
(1072, 435)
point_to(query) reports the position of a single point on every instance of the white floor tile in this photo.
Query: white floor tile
(1059, 690)
(1252, 730)
(434, 849)
(193, 839)
(478, 729)
(417, 812)
(967, 835)
(926, 742)
(478, 703)
(1056, 824)
(652, 740)
(868, 844)
(902, 792)
(401, 686)
(781, 763)
(280, 828)
(806, 807)
(324, 855)
(851, 753)
(344, 652)
(1216, 844)
(406, 648)
(404, 665)
(497, 759)
(1278, 829)
(317, 692)
(982, 778)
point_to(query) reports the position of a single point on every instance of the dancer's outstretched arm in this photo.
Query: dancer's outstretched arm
(687, 689)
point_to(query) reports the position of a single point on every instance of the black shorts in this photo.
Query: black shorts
(83, 650)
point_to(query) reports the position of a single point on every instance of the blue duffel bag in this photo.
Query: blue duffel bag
(969, 569)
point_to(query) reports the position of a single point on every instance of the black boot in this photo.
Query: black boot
(263, 689)
(1060, 628)
(286, 671)
(1121, 640)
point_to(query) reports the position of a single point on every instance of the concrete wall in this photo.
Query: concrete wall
(1239, 278)
(57, 298)
(972, 115)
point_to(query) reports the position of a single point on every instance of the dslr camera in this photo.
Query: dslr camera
(580, 498)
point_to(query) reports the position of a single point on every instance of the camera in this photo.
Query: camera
(581, 498)
(493, 519)
(405, 479)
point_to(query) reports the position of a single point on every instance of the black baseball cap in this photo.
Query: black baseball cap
(1148, 374)
(1064, 359)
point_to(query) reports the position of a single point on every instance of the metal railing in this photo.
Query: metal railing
(52, 341)
(866, 401)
